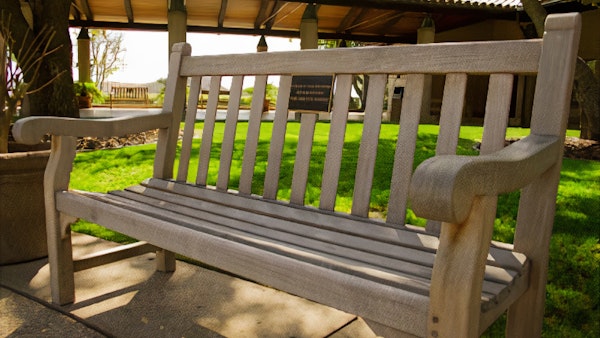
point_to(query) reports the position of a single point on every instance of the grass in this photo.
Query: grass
(573, 291)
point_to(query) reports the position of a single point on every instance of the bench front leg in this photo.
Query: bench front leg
(60, 252)
(165, 261)
(458, 272)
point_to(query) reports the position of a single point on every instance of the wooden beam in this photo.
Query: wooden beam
(128, 10)
(262, 14)
(222, 12)
(349, 18)
(86, 10)
(413, 6)
(81, 10)
(243, 31)
(268, 22)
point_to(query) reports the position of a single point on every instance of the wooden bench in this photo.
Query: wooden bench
(128, 94)
(397, 277)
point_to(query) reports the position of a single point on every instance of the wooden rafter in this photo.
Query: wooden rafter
(222, 13)
(128, 10)
(350, 19)
(82, 10)
(361, 20)
(262, 14)
(412, 5)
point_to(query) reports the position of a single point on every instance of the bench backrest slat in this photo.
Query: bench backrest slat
(453, 102)
(251, 145)
(228, 143)
(412, 105)
(335, 146)
(210, 118)
(367, 152)
(302, 162)
(188, 132)
(438, 58)
(271, 183)
(497, 110)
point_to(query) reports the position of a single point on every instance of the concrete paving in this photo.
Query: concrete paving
(130, 299)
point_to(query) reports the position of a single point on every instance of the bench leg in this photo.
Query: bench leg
(165, 261)
(60, 259)
(58, 230)
(532, 237)
(382, 330)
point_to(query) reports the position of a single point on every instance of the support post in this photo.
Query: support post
(177, 23)
(426, 34)
(83, 55)
(309, 35)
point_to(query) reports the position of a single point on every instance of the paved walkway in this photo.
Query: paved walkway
(130, 299)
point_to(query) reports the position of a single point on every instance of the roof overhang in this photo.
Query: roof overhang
(362, 20)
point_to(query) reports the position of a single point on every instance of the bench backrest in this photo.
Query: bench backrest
(501, 60)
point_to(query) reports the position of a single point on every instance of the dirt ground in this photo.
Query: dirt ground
(575, 148)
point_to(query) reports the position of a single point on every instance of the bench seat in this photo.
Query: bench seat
(261, 240)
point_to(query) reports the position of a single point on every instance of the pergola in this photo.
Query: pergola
(387, 21)
(370, 21)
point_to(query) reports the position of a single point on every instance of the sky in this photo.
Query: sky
(145, 58)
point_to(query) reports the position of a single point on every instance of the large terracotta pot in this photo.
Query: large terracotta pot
(22, 213)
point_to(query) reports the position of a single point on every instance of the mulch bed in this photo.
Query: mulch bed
(575, 148)
(92, 143)
(582, 149)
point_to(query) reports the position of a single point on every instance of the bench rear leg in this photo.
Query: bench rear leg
(165, 261)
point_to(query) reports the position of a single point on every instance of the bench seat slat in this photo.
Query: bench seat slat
(421, 256)
(390, 271)
(383, 269)
(368, 251)
(355, 226)
(350, 293)
(249, 220)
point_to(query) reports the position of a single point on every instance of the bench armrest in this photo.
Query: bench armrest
(30, 130)
(443, 187)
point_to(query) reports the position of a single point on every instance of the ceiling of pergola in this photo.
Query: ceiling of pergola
(364, 20)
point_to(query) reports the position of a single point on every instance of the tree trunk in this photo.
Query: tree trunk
(586, 87)
(587, 90)
(58, 97)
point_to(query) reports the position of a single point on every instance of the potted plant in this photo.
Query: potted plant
(22, 215)
(85, 92)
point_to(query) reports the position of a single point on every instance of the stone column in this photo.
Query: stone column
(83, 55)
(177, 23)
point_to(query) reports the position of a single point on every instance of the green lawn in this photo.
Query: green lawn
(573, 292)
